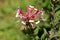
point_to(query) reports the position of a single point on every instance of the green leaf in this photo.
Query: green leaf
(43, 36)
(36, 31)
(57, 16)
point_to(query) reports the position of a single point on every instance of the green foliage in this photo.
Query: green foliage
(10, 29)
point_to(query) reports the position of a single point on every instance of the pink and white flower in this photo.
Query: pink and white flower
(31, 13)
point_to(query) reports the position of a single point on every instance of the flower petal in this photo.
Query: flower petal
(17, 15)
(19, 11)
(29, 10)
(37, 22)
(31, 20)
(20, 14)
(41, 12)
(35, 13)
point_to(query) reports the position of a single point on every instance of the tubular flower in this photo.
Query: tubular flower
(28, 17)
(31, 13)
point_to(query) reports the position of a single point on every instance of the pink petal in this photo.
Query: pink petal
(35, 13)
(19, 11)
(29, 10)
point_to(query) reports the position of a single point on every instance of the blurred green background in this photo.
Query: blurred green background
(9, 29)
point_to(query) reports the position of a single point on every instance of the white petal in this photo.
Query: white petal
(17, 15)
(31, 6)
(35, 9)
(31, 20)
(23, 22)
(37, 22)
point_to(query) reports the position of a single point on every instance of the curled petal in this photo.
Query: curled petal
(37, 22)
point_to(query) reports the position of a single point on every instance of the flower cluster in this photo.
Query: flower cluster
(30, 15)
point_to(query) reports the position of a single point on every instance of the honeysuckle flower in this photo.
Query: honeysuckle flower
(30, 15)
